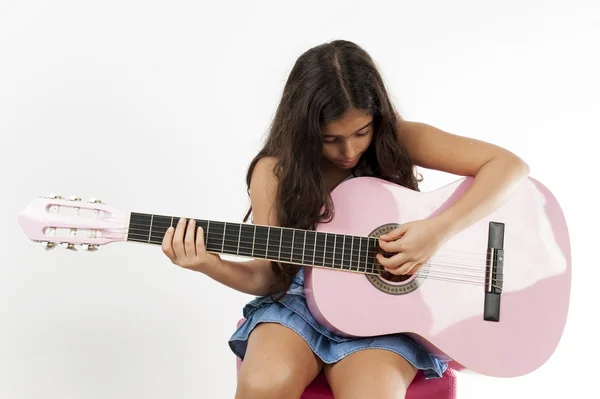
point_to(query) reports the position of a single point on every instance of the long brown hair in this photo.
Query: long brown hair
(324, 83)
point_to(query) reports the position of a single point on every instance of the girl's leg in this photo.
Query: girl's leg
(370, 373)
(278, 364)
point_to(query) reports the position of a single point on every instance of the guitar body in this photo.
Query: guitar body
(440, 308)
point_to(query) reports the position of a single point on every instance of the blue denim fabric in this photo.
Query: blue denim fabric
(292, 312)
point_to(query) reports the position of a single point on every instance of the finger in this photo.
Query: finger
(406, 268)
(167, 246)
(178, 239)
(200, 241)
(392, 246)
(396, 233)
(190, 247)
(392, 262)
(415, 269)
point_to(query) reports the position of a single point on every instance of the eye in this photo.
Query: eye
(334, 139)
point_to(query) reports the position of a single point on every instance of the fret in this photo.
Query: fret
(364, 254)
(353, 265)
(312, 236)
(342, 263)
(140, 227)
(320, 240)
(287, 236)
(206, 238)
(261, 238)
(298, 242)
(273, 243)
(304, 247)
(347, 253)
(150, 228)
(280, 241)
(358, 262)
(253, 240)
(159, 225)
(292, 248)
(216, 237)
(223, 241)
(267, 243)
(354, 255)
(337, 249)
(237, 252)
(361, 255)
(230, 241)
(246, 241)
(371, 256)
(334, 242)
(136, 227)
(328, 249)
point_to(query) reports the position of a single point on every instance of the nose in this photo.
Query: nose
(350, 151)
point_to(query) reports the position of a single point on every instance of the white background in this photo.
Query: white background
(159, 106)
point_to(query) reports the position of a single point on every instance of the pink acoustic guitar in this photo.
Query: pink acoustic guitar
(494, 298)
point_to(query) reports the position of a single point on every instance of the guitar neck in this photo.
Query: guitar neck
(279, 244)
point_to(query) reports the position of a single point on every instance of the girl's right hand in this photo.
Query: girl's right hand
(184, 251)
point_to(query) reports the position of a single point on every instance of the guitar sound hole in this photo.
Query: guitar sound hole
(394, 278)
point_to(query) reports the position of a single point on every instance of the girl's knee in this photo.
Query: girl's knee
(269, 382)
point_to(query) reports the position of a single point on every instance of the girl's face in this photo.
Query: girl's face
(347, 138)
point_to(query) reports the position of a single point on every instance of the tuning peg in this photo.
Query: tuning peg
(70, 246)
(95, 200)
(74, 198)
(55, 196)
(48, 245)
(91, 247)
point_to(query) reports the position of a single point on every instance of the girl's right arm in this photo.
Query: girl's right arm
(253, 277)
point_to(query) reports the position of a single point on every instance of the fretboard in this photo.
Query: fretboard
(280, 244)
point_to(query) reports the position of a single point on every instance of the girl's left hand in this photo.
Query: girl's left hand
(413, 244)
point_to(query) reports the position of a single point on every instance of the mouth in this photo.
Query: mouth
(348, 163)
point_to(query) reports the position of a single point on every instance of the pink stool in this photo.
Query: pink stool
(420, 388)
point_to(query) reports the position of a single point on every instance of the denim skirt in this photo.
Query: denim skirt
(292, 311)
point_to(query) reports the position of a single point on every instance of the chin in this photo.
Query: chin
(339, 164)
(347, 165)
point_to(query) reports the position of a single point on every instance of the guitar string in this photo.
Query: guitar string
(158, 224)
(231, 243)
(160, 219)
(163, 221)
(425, 272)
(429, 264)
(474, 278)
(165, 226)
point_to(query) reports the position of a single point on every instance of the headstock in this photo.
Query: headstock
(72, 222)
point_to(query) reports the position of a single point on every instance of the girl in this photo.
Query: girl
(335, 121)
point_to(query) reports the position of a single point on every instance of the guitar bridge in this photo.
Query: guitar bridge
(494, 272)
